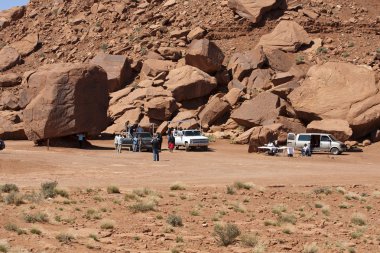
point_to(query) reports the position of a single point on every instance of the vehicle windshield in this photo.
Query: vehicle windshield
(192, 133)
(333, 138)
(144, 135)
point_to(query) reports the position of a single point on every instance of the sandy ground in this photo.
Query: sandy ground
(28, 166)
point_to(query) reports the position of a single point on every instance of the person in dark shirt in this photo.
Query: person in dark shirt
(159, 137)
(171, 143)
(155, 148)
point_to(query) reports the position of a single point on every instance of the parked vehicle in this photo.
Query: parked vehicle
(144, 141)
(318, 142)
(2, 144)
(191, 139)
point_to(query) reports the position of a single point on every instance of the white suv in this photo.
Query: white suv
(191, 139)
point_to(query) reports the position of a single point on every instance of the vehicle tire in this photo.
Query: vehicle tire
(205, 148)
(335, 151)
(187, 147)
(176, 147)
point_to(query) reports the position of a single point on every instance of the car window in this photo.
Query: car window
(192, 133)
(304, 137)
(144, 135)
(325, 138)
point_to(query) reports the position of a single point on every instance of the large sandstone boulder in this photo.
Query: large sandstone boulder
(9, 57)
(242, 64)
(244, 137)
(9, 101)
(185, 120)
(214, 109)
(279, 60)
(287, 36)
(117, 68)
(189, 82)
(337, 127)
(233, 96)
(262, 135)
(152, 68)
(130, 117)
(253, 10)
(12, 14)
(205, 55)
(259, 80)
(10, 80)
(26, 45)
(73, 98)
(161, 108)
(261, 110)
(11, 126)
(337, 90)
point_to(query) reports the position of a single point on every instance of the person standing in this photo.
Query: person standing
(155, 147)
(135, 142)
(119, 142)
(171, 143)
(159, 137)
(116, 141)
(80, 139)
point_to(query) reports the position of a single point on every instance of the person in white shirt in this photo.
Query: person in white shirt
(116, 141)
(119, 142)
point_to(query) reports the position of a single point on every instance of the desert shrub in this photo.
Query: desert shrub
(241, 185)
(238, 207)
(174, 220)
(174, 251)
(14, 198)
(341, 190)
(177, 187)
(300, 59)
(230, 190)
(279, 209)
(357, 234)
(194, 213)
(37, 217)
(310, 248)
(94, 237)
(226, 234)
(322, 190)
(3, 248)
(358, 219)
(143, 206)
(287, 218)
(35, 231)
(14, 228)
(7, 188)
(179, 239)
(345, 54)
(65, 238)
(113, 190)
(130, 196)
(271, 223)
(259, 248)
(352, 195)
(62, 193)
(143, 192)
(249, 240)
(48, 189)
(318, 205)
(107, 225)
(322, 50)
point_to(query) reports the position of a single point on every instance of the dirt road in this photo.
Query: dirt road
(28, 166)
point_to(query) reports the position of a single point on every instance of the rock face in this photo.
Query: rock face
(261, 110)
(242, 64)
(9, 57)
(204, 55)
(117, 68)
(287, 36)
(10, 80)
(261, 135)
(73, 98)
(328, 92)
(26, 45)
(214, 109)
(252, 10)
(189, 82)
(161, 108)
(13, 14)
(11, 126)
(337, 127)
(152, 68)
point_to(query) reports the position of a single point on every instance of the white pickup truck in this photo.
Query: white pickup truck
(191, 139)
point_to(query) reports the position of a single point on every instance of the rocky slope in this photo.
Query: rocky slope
(232, 65)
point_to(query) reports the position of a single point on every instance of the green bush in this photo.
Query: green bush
(7, 188)
(113, 190)
(14, 198)
(48, 189)
(226, 234)
(65, 238)
(37, 217)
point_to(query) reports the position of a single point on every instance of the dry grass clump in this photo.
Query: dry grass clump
(326, 210)
(344, 205)
(65, 238)
(287, 218)
(322, 190)
(113, 189)
(230, 190)
(352, 195)
(341, 190)
(279, 209)
(37, 217)
(359, 219)
(3, 248)
(239, 207)
(271, 223)
(107, 224)
(35, 231)
(240, 185)
(14, 228)
(7, 188)
(14, 198)
(357, 234)
(376, 194)
(177, 187)
(48, 189)
(174, 220)
(250, 240)
(310, 248)
(143, 206)
(226, 234)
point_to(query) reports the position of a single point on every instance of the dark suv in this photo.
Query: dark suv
(2, 144)
(144, 140)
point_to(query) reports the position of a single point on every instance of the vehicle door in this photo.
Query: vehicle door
(325, 143)
(291, 140)
(178, 139)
